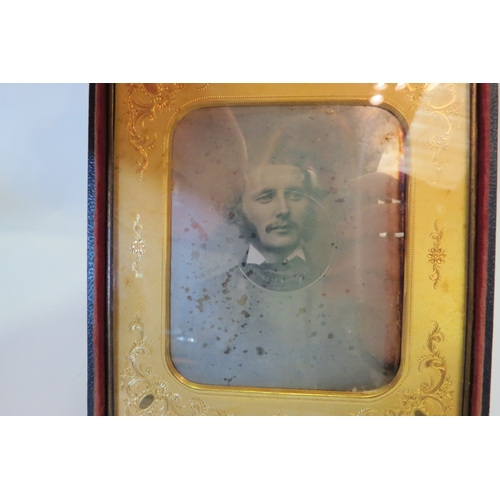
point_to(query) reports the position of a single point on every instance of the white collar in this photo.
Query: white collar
(255, 257)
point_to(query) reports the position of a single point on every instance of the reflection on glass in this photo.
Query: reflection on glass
(286, 247)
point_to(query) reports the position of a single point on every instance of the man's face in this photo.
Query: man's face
(275, 202)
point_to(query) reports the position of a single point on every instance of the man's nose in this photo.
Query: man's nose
(282, 207)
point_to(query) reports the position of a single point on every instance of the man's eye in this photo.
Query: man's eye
(294, 195)
(265, 198)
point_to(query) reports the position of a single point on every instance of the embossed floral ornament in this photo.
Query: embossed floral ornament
(138, 247)
(145, 392)
(434, 396)
(436, 255)
(445, 109)
(145, 100)
(412, 403)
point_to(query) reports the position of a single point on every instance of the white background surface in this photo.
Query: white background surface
(43, 231)
(43, 219)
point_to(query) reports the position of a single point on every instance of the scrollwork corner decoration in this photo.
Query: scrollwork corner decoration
(444, 108)
(436, 255)
(435, 394)
(440, 103)
(146, 393)
(144, 102)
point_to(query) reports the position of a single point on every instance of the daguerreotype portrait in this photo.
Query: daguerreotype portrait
(287, 247)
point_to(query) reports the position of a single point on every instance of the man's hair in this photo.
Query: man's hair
(236, 215)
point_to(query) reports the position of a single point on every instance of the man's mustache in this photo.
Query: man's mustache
(281, 225)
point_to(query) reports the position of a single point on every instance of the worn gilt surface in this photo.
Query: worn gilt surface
(445, 111)
(431, 376)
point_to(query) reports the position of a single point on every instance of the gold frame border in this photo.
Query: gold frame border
(413, 97)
